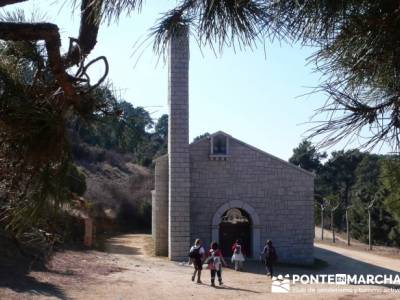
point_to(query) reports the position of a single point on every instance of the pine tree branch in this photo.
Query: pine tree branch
(50, 34)
(9, 2)
(88, 31)
(79, 49)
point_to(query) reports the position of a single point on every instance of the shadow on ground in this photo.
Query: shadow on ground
(117, 245)
(327, 262)
(14, 272)
(225, 287)
(18, 280)
(122, 249)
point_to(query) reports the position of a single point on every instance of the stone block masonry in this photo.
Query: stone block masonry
(178, 146)
(277, 196)
(160, 207)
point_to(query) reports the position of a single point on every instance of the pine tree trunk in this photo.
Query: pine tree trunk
(369, 229)
(347, 227)
(322, 223)
(332, 228)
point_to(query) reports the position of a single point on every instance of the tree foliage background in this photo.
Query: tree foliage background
(354, 179)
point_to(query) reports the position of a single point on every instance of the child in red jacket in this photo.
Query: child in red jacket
(215, 260)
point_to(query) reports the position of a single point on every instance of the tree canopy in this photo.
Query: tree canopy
(357, 51)
(353, 180)
(307, 157)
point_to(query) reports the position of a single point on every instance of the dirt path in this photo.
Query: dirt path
(376, 260)
(127, 271)
(341, 241)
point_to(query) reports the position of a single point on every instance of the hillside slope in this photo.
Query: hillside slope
(120, 192)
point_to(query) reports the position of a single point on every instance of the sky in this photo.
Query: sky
(253, 95)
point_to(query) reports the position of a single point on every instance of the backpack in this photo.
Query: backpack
(215, 260)
(194, 253)
(238, 249)
(272, 254)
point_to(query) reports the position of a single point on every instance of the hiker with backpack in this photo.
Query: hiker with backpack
(215, 259)
(271, 257)
(238, 255)
(196, 255)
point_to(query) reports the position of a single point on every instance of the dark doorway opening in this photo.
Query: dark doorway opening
(235, 224)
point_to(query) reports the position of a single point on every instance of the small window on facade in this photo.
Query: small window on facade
(220, 145)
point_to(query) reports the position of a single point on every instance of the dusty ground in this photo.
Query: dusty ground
(126, 270)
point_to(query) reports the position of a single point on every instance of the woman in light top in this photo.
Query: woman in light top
(238, 255)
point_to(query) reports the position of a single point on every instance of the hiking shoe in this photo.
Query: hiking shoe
(192, 278)
(199, 281)
(220, 282)
(212, 284)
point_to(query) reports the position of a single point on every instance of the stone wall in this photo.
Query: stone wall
(160, 207)
(280, 195)
(178, 146)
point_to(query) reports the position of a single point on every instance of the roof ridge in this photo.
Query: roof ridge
(256, 149)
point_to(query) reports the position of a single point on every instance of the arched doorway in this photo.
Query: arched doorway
(235, 224)
(255, 236)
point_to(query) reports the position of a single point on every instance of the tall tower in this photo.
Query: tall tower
(178, 146)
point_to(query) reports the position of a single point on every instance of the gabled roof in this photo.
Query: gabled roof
(255, 149)
(207, 137)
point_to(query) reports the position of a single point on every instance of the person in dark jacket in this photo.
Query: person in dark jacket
(197, 254)
(271, 257)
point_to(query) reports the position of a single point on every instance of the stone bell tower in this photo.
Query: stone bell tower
(178, 146)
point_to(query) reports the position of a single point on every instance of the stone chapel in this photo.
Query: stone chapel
(220, 188)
